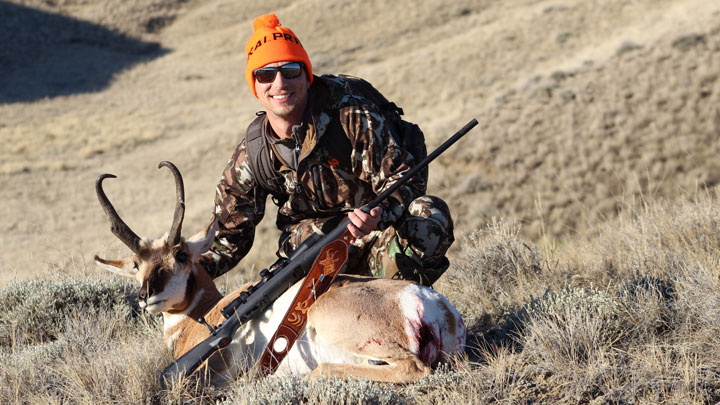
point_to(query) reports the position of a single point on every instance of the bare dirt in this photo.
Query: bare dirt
(586, 108)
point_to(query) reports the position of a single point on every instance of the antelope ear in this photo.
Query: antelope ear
(203, 240)
(124, 267)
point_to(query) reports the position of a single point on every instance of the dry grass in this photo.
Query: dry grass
(597, 146)
(628, 314)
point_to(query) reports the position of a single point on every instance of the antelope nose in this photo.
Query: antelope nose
(146, 291)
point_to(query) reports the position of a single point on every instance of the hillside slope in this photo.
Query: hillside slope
(586, 108)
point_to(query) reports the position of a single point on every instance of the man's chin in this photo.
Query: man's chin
(284, 112)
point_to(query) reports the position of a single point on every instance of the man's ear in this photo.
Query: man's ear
(124, 267)
(203, 240)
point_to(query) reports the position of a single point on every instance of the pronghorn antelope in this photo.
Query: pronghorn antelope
(384, 330)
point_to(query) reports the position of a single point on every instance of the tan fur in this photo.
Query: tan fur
(450, 320)
(404, 370)
(348, 320)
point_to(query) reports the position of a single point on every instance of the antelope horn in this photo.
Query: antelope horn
(117, 226)
(176, 228)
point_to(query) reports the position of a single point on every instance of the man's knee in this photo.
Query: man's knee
(424, 235)
(428, 228)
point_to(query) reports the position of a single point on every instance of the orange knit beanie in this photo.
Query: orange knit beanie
(271, 43)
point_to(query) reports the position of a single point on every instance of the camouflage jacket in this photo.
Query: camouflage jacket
(348, 157)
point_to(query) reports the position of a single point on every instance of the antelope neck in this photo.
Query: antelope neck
(202, 296)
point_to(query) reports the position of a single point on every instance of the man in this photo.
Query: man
(328, 155)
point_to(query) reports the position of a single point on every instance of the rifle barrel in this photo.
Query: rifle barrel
(440, 149)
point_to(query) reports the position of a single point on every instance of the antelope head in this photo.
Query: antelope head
(167, 269)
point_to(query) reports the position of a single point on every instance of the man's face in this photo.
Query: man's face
(284, 98)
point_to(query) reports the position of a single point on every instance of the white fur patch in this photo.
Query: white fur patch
(412, 309)
(170, 321)
(170, 340)
(422, 305)
(196, 299)
(250, 340)
(173, 293)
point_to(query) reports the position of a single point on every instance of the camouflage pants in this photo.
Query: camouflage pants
(413, 248)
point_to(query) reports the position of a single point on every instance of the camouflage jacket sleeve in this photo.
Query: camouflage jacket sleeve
(379, 160)
(235, 208)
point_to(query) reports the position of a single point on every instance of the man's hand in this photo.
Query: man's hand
(361, 223)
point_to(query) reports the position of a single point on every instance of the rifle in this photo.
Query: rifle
(274, 283)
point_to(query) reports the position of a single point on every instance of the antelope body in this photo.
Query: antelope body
(384, 330)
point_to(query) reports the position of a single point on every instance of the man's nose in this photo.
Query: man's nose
(280, 80)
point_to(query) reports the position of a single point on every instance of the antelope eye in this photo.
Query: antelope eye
(181, 257)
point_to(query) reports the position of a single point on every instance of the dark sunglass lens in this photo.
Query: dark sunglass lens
(265, 75)
(291, 70)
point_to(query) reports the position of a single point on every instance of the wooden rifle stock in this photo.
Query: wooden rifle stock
(327, 265)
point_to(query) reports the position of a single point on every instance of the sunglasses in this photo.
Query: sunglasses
(289, 71)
